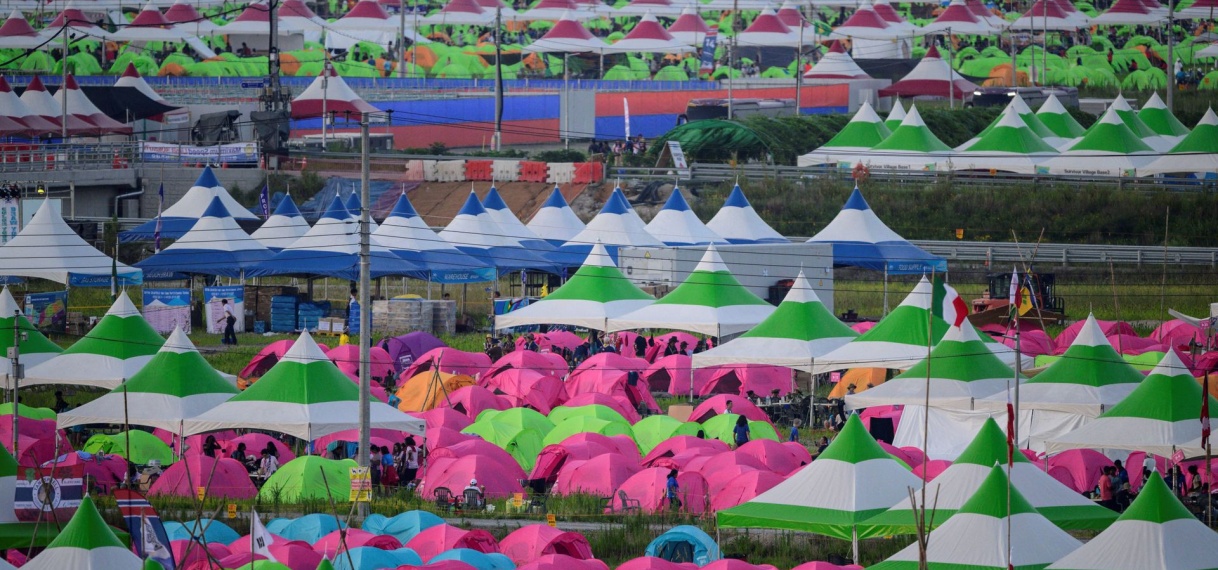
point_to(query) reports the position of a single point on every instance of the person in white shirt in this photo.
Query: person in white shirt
(268, 465)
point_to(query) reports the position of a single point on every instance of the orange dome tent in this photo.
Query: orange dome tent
(861, 379)
(426, 390)
(1000, 76)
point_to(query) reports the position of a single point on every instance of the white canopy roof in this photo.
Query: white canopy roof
(46, 248)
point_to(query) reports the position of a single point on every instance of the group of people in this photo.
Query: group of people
(260, 466)
(389, 469)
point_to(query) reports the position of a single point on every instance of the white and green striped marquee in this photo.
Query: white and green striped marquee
(1156, 532)
(799, 331)
(710, 301)
(596, 293)
(1162, 415)
(853, 480)
(86, 543)
(118, 347)
(35, 348)
(177, 384)
(304, 395)
(953, 488)
(976, 537)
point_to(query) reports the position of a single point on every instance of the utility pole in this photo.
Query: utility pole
(497, 138)
(365, 302)
(16, 373)
(272, 59)
(401, 38)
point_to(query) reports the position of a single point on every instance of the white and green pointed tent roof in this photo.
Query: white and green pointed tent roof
(1088, 379)
(1156, 532)
(1029, 118)
(86, 543)
(961, 370)
(118, 347)
(956, 484)
(1055, 116)
(1007, 145)
(177, 384)
(1125, 111)
(1159, 118)
(895, 116)
(710, 301)
(1108, 148)
(304, 395)
(1196, 152)
(912, 136)
(865, 130)
(800, 330)
(852, 480)
(1160, 416)
(35, 348)
(596, 293)
(899, 340)
(976, 536)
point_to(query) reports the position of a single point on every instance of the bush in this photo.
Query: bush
(565, 155)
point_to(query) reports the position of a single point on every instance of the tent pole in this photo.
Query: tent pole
(854, 544)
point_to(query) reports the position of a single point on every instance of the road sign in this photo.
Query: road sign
(253, 84)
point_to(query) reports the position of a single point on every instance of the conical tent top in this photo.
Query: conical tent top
(177, 370)
(8, 465)
(131, 71)
(961, 356)
(305, 375)
(1169, 393)
(1111, 134)
(207, 179)
(178, 342)
(737, 199)
(403, 208)
(1130, 117)
(896, 115)
(122, 307)
(1203, 139)
(599, 257)
(325, 564)
(555, 200)
(616, 204)
(353, 204)
(1155, 503)
(493, 200)
(988, 447)
(1160, 119)
(215, 209)
(8, 305)
(287, 208)
(1054, 116)
(86, 531)
(866, 113)
(676, 201)
(472, 206)
(1090, 360)
(1011, 133)
(801, 291)
(711, 262)
(993, 496)
(854, 444)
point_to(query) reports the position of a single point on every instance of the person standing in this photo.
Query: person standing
(410, 461)
(740, 433)
(672, 490)
(229, 320)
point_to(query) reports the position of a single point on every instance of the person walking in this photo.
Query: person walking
(229, 320)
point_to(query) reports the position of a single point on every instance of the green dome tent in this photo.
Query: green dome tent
(671, 73)
(301, 479)
(144, 447)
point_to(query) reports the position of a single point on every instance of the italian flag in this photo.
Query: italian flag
(947, 304)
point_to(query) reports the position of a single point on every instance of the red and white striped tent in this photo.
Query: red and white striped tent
(931, 77)
(789, 14)
(890, 15)
(131, 78)
(76, 21)
(978, 9)
(16, 33)
(648, 36)
(296, 15)
(367, 21)
(567, 36)
(460, 13)
(150, 25)
(10, 122)
(1201, 9)
(184, 15)
(768, 31)
(957, 19)
(642, 7)
(558, 10)
(82, 108)
(339, 99)
(1047, 15)
(865, 23)
(835, 67)
(493, 6)
(13, 108)
(689, 28)
(1127, 12)
(42, 104)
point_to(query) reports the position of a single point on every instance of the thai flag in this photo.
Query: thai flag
(148, 535)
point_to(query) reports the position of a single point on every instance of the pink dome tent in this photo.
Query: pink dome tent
(480, 448)
(329, 545)
(1134, 344)
(551, 341)
(380, 436)
(198, 554)
(254, 443)
(681, 461)
(333, 96)
(679, 444)
(653, 563)
(609, 379)
(547, 363)
(562, 562)
(347, 359)
(777, 457)
(745, 487)
(672, 374)
(443, 417)
(649, 487)
(434, 540)
(1078, 469)
(267, 357)
(932, 77)
(105, 473)
(1109, 328)
(932, 468)
(528, 388)
(473, 400)
(223, 478)
(1176, 332)
(597, 476)
(716, 405)
(578, 447)
(528, 543)
(740, 379)
(451, 361)
(661, 342)
(441, 437)
(455, 474)
(1033, 342)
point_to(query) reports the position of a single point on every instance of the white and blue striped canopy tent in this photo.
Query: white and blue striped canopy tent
(177, 219)
(738, 222)
(353, 207)
(676, 224)
(47, 248)
(474, 232)
(860, 239)
(283, 227)
(407, 236)
(331, 249)
(556, 222)
(498, 210)
(215, 245)
(615, 226)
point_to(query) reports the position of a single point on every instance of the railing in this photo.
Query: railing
(73, 156)
(1064, 254)
(700, 172)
